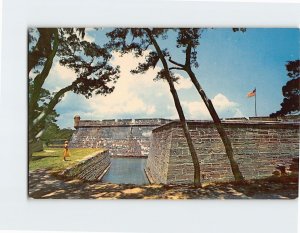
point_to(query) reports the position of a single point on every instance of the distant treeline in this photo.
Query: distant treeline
(54, 133)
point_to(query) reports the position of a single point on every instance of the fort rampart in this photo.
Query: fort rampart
(259, 145)
(123, 138)
(91, 168)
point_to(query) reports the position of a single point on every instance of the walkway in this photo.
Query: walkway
(44, 184)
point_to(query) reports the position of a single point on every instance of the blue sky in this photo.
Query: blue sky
(231, 65)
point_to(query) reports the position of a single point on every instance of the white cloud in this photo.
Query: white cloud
(59, 77)
(90, 29)
(195, 110)
(134, 95)
(64, 72)
(151, 110)
(183, 83)
(238, 113)
(221, 102)
(88, 37)
(223, 106)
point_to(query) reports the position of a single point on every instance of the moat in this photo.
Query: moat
(126, 171)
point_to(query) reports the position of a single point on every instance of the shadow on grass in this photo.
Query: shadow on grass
(284, 187)
(38, 157)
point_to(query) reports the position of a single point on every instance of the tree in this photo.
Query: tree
(188, 38)
(52, 131)
(88, 60)
(290, 91)
(147, 37)
(40, 127)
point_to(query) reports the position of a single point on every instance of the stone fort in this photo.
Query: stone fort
(259, 144)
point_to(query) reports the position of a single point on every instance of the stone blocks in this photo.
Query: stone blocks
(123, 138)
(90, 168)
(258, 147)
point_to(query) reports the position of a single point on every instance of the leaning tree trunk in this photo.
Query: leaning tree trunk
(30, 149)
(184, 125)
(226, 141)
(37, 85)
(41, 77)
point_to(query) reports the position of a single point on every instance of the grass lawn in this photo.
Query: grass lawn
(52, 158)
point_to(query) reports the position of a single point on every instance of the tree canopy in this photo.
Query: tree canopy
(188, 39)
(52, 131)
(290, 91)
(141, 39)
(89, 61)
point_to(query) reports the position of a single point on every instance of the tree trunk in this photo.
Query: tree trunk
(226, 141)
(42, 47)
(38, 83)
(56, 98)
(41, 77)
(30, 152)
(184, 125)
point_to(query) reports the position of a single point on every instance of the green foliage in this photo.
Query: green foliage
(290, 91)
(89, 61)
(54, 132)
(137, 41)
(239, 29)
(43, 103)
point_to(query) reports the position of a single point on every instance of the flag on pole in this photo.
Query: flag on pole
(252, 93)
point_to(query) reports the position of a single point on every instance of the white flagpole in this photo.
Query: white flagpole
(255, 102)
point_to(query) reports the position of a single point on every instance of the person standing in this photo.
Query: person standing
(66, 150)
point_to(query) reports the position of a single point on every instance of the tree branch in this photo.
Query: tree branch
(40, 78)
(40, 133)
(175, 63)
(147, 46)
(176, 68)
(41, 49)
(53, 103)
(188, 56)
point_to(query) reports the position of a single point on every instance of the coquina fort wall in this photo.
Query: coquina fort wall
(123, 137)
(259, 145)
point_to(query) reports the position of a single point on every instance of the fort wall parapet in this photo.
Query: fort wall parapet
(123, 122)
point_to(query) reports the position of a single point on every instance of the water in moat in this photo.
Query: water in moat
(126, 171)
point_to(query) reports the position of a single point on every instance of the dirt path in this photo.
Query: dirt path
(44, 184)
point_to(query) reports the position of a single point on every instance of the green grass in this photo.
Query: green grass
(52, 158)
